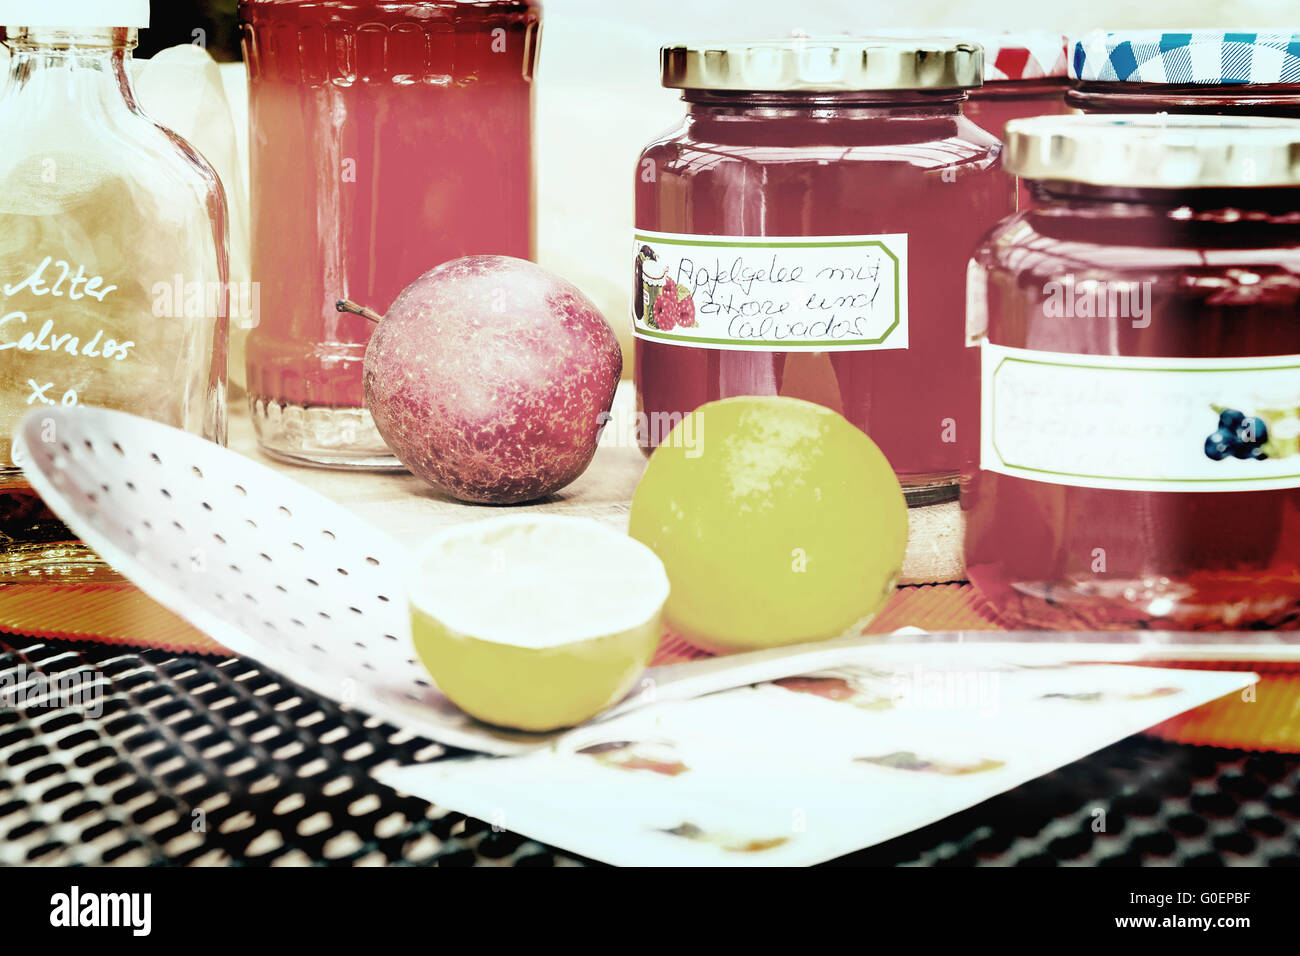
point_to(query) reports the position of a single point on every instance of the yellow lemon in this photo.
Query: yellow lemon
(778, 521)
(535, 622)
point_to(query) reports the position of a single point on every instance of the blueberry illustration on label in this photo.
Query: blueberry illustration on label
(1230, 419)
(1220, 445)
(1239, 436)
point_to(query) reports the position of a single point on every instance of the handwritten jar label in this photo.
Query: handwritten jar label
(771, 293)
(1140, 423)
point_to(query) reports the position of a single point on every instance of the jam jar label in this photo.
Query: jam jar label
(1139, 423)
(771, 293)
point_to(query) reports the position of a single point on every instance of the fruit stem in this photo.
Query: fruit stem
(347, 305)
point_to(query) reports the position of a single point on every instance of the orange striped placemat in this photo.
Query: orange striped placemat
(121, 614)
(931, 607)
(107, 613)
(1263, 717)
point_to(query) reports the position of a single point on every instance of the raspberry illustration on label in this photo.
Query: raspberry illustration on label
(658, 299)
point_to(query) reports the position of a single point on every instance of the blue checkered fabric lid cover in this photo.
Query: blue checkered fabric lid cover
(1210, 57)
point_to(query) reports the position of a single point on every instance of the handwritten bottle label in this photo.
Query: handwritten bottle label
(1138, 423)
(47, 343)
(771, 293)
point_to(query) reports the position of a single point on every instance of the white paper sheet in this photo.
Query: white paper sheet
(804, 770)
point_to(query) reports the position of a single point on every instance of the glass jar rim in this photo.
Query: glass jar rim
(78, 39)
(74, 15)
(824, 64)
(1156, 151)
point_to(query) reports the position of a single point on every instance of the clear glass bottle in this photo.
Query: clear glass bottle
(113, 260)
(1140, 461)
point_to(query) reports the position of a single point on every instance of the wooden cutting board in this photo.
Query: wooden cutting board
(118, 613)
(410, 510)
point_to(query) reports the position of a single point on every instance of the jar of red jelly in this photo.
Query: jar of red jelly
(1140, 454)
(386, 136)
(1024, 75)
(1246, 72)
(804, 232)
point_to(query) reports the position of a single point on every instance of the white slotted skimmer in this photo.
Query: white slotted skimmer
(278, 573)
(263, 565)
(281, 574)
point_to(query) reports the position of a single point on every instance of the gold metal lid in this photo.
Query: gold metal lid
(1156, 151)
(825, 64)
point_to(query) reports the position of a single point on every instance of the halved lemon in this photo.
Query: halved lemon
(535, 622)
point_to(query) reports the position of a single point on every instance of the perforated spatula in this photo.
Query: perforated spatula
(269, 568)
(278, 573)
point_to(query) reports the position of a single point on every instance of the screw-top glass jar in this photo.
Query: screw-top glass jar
(1024, 75)
(1140, 460)
(1241, 72)
(387, 136)
(113, 259)
(804, 232)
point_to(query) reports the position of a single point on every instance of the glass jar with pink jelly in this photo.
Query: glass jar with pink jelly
(386, 137)
(1024, 75)
(1222, 72)
(1140, 454)
(804, 232)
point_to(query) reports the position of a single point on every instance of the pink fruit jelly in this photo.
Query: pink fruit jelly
(387, 137)
(1024, 75)
(1140, 459)
(805, 233)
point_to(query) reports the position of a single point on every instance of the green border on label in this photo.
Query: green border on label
(821, 344)
(993, 425)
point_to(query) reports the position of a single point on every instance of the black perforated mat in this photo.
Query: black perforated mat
(201, 760)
